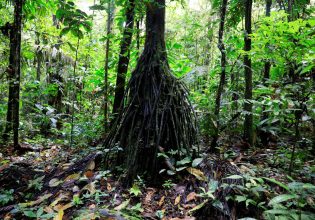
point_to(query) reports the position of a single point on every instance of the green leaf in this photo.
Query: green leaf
(180, 168)
(279, 211)
(30, 214)
(135, 190)
(60, 13)
(196, 162)
(64, 31)
(281, 198)
(183, 161)
(234, 177)
(170, 172)
(40, 211)
(278, 183)
(97, 7)
(240, 198)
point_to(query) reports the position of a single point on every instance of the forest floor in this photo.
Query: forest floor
(58, 182)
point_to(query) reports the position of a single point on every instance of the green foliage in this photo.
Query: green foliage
(38, 214)
(292, 202)
(75, 20)
(6, 196)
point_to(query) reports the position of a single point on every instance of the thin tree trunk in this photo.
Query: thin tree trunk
(290, 10)
(108, 32)
(248, 123)
(267, 63)
(138, 37)
(74, 92)
(124, 57)
(10, 72)
(38, 57)
(266, 77)
(223, 73)
(18, 4)
(313, 119)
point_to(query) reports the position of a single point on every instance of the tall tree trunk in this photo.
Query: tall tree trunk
(248, 123)
(222, 76)
(267, 63)
(264, 134)
(158, 116)
(38, 57)
(124, 57)
(16, 46)
(108, 32)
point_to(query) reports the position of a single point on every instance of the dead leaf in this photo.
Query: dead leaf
(59, 198)
(48, 209)
(38, 201)
(197, 207)
(239, 158)
(177, 200)
(91, 165)
(123, 205)
(191, 196)
(66, 166)
(74, 176)
(149, 195)
(90, 187)
(89, 174)
(59, 215)
(161, 201)
(197, 173)
(92, 206)
(54, 182)
(109, 187)
(75, 189)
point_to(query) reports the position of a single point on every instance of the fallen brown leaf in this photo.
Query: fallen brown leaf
(177, 200)
(191, 196)
(161, 201)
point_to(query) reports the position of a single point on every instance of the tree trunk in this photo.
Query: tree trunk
(124, 57)
(222, 76)
(248, 123)
(16, 46)
(38, 57)
(138, 37)
(108, 32)
(158, 115)
(266, 76)
(267, 63)
(10, 72)
(290, 10)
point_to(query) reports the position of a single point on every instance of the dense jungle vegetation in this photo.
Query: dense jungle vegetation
(154, 109)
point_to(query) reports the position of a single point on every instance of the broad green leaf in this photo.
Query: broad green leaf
(183, 161)
(196, 162)
(278, 183)
(234, 177)
(281, 198)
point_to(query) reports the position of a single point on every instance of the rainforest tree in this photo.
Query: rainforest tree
(124, 57)
(14, 74)
(248, 123)
(158, 116)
